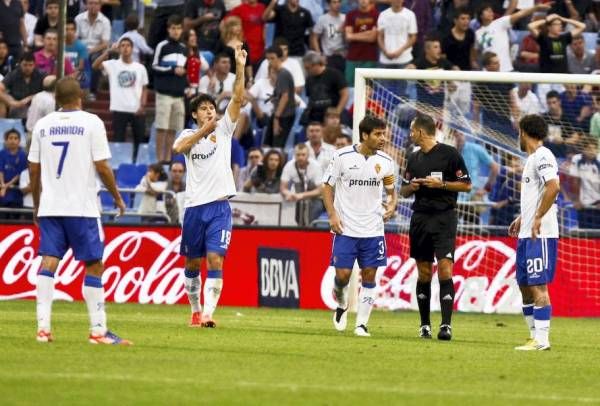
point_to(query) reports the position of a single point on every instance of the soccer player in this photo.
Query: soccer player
(209, 184)
(68, 148)
(537, 230)
(434, 173)
(359, 174)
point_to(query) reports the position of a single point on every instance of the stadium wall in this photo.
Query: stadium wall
(289, 268)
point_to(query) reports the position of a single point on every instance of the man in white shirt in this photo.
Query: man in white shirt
(318, 150)
(357, 176)
(585, 170)
(327, 36)
(537, 230)
(525, 100)
(493, 35)
(42, 104)
(396, 34)
(128, 94)
(30, 22)
(207, 223)
(140, 46)
(68, 150)
(292, 65)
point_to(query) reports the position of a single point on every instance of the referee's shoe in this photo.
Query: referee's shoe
(445, 332)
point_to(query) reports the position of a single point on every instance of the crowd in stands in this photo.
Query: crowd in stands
(299, 84)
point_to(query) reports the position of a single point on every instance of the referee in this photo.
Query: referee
(434, 173)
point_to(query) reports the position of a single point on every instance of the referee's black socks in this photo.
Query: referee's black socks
(446, 300)
(424, 301)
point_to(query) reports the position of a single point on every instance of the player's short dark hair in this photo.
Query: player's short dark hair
(274, 50)
(200, 99)
(425, 123)
(174, 19)
(461, 11)
(67, 91)
(11, 131)
(534, 126)
(27, 57)
(131, 22)
(370, 123)
(552, 94)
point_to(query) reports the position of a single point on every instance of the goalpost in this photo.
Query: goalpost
(482, 109)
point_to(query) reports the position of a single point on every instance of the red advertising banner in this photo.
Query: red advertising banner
(290, 268)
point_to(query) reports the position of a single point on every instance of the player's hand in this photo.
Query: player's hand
(390, 211)
(432, 183)
(120, 205)
(210, 125)
(240, 56)
(335, 224)
(515, 226)
(535, 229)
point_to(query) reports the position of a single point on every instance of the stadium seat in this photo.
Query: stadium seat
(146, 154)
(121, 153)
(14, 123)
(128, 175)
(107, 201)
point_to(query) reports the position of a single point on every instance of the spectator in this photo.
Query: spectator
(493, 35)
(232, 36)
(76, 52)
(196, 64)
(45, 58)
(493, 104)
(424, 14)
(292, 22)
(333, 119)
(528, 55)
(506, 192)
(301, 181)
(396, 35)
(42, 103)
(559, 129)
(314, 7)
(431, 92)
(526, 101)
(19, 86)
(140, 46)
(253, 25)
(459, 44)
(255, 158)
(579, 59)
(290, 64)
(448, 11)
(204, 16)
(585, 168)
(48, 20)
(595, 121)
(25, 188)
(175, 184)
(327, 36)
(260, 97)
(163, 11)
(266, 177)
(30, 21)
(94, 30)
(318, 150)
(577, 106)
(325, 88)
(128, 94)
(284, 107)
(553, 43)
(170, 83)
(153, 184)
(13, 161)
(219, 81)
(342, 140)
(6, 61)
(12, 26)
(360, 28)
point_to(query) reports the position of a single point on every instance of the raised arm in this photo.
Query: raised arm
(184, 144)
(578, 26)
(238, 86)
(529, 11)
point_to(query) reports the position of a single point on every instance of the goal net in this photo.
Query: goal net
(478, 112)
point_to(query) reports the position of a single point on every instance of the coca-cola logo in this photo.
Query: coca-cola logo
(475, 292)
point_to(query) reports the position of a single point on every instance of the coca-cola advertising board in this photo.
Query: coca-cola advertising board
(142, 266)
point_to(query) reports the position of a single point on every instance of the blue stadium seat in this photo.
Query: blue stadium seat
(146, 154)
(121, 153)
(127, 175)
(107, 201)
(13, 123)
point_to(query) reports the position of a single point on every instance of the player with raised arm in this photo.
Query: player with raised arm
(206, 230)
(353, 187)
(68, 148)
(537, 230)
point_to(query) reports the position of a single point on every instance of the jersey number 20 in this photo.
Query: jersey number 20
(63, 154)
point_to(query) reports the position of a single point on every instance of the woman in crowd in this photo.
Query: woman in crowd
(266, 178)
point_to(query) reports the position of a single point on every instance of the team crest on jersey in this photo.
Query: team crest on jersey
(377, 168)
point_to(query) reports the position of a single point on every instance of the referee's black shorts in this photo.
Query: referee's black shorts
(433, 234)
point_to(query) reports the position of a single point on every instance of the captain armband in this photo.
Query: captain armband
(389, 182)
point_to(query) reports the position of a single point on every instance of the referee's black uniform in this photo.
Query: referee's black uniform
(433, 225)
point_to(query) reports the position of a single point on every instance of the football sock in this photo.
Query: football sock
(212, 291)
(424, 301)
(366, 298)
(528, 314)
(447, 300)
(340, 291)
(542, 317)
(192, 285)
(44, 295)
(93, 293)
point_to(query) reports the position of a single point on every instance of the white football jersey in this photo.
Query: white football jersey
(208, 165)
(66, 144)
(359, 183)
(540, 167)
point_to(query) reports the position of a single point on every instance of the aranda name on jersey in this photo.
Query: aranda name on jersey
(364, 182)
(63, 130)
(205, 156)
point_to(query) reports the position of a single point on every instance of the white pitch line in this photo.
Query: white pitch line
(293, 387)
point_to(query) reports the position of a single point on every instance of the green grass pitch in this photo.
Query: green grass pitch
(268, 356)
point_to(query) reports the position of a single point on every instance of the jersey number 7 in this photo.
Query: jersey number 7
(63, 155)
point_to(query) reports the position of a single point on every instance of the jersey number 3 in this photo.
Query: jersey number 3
(63, 154)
